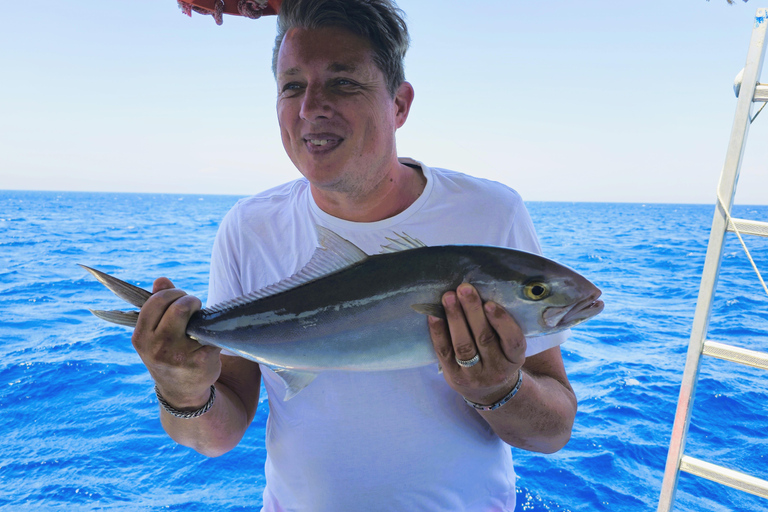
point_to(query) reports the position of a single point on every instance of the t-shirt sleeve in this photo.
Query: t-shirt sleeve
(224, 281)
(522, 236)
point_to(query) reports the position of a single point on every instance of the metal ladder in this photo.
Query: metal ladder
(748, 92)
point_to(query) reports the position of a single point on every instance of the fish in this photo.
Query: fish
(350, 311)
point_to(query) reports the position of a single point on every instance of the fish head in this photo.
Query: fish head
(566, 300)
(544, 296)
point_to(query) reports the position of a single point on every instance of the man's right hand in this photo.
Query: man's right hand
(182, 368)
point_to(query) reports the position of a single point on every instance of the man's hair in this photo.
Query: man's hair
(381, 22)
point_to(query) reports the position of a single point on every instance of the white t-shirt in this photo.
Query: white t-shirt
(379, 441)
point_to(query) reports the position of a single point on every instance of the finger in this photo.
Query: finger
(463, 342)
(512, 340)
(441, 340)
(485, 336)
(175, 319)
(146, 339)
(162, 283)
(153, 310)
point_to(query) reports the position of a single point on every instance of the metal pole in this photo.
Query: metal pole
(725, 191)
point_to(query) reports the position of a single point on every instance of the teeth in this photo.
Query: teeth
(318, 142)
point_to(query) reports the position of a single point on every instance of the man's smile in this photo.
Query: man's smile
(317, 142)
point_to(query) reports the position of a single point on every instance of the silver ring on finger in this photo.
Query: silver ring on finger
(468, 363)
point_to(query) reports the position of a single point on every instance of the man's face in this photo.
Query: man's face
(337, 119)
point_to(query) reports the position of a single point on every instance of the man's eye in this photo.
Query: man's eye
(291, 87)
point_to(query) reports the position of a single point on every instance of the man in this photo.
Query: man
(400, 440)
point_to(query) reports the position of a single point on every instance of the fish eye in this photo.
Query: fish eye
(536, 290)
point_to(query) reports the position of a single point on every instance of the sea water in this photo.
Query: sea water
(79, 426)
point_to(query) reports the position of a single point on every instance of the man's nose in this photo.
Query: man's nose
(315, 103)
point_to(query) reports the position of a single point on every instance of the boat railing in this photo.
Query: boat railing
(749, 92)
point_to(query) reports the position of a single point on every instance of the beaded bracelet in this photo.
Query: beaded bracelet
(504, 400)
(185, 414)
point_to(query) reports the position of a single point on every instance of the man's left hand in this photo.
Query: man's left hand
(473, 328)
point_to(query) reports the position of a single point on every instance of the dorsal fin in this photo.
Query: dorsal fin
(401, 242)
(335, 253)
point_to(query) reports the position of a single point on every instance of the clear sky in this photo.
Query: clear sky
(563, 100)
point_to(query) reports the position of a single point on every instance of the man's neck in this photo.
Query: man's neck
(394, 193)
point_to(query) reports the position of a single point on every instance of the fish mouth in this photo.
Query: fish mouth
(569, 316)
(583, 310)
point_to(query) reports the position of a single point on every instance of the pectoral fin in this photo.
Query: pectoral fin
(294, 380)
(435, 310)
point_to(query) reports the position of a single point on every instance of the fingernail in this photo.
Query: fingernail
(490, 307)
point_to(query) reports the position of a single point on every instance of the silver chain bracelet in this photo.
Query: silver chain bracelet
(185, 414)
(504, 400)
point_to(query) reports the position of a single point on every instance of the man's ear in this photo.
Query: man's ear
(403, 100)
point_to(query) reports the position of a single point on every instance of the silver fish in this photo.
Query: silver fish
(346, 310)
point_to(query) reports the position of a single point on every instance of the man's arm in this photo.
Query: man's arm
(540, 416)
(184, 371)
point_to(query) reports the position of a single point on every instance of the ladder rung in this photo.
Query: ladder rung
(749, 227)
(725, 476)
(761, 93)
(736, 354)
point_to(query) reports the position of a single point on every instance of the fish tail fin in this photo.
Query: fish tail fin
(126, 291)
(126, 318)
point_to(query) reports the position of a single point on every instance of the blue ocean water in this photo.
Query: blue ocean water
(78, 417)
